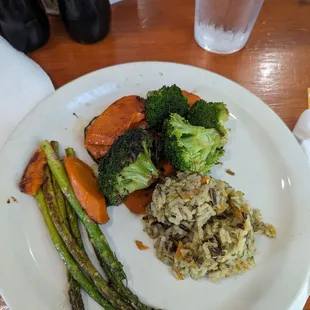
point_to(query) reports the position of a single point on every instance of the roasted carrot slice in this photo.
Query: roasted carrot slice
(137, 201)
(33, 176)
(192, 98)
(86, 189)
(115, 120)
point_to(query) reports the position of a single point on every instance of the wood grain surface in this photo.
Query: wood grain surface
(274, 65)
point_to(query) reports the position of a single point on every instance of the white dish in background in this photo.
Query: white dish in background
(269, 165)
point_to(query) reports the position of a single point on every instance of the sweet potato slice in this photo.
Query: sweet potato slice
(86, 189)
(33, 176)
(115, 121)
(137, 201)
(192, 98)
(97, 151)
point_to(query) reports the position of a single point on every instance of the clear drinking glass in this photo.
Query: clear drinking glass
(224, 26)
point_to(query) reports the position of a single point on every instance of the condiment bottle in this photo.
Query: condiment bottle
(87, 21)
(24, 24)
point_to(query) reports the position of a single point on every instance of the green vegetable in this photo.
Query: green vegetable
(127, 166)
(160, 103)
(64, 254)
(95, 233)
(210, 115)
(59, 196)
(114, 269)
(70, 152)
(72, 218)
(79, 255)
(74, 290)
(73, 224)
(74, 293)
(191, 148)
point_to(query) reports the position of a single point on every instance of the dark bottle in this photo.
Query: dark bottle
(87, 21)
(24, 24)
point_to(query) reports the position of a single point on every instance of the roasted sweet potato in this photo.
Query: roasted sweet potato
(137, 201)
(192, 98)
(115, 121)
(33, 176)
(86, 189)
(97, 151)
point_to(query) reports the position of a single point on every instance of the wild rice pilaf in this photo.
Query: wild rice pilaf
(203, 227)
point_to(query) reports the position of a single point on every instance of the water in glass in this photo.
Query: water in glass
(224, 26)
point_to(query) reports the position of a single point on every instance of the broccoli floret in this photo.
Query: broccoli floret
(160, 103)
(191, 148)
(127, 166)
(209, 115)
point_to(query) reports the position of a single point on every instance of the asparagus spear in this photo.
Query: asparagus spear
(96, 235)
(75, 231)
(59, 196)
(115, 270)
(70, 152)
(74, 293)
(79, 255)
(74, 290)
(67, 258)
(73, 221)
(74, 225)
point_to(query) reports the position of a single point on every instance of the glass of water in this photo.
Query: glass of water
(224, 26)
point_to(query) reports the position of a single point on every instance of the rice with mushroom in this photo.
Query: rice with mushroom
(203, 227)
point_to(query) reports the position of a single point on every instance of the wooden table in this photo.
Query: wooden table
(274, 65)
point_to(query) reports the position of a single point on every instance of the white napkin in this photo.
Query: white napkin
(302, 132)
(23, 84)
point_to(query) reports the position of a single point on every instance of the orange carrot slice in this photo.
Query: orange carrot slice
(137, 201)
(191, 98)
(86, 189)
(204, 179)
(33, 176)
(237, 213)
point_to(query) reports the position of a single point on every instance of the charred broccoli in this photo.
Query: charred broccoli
(191, 148)
(160, 103)
(127, 166)
(209, 115)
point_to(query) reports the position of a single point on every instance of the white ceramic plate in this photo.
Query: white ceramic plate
(269, 165)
